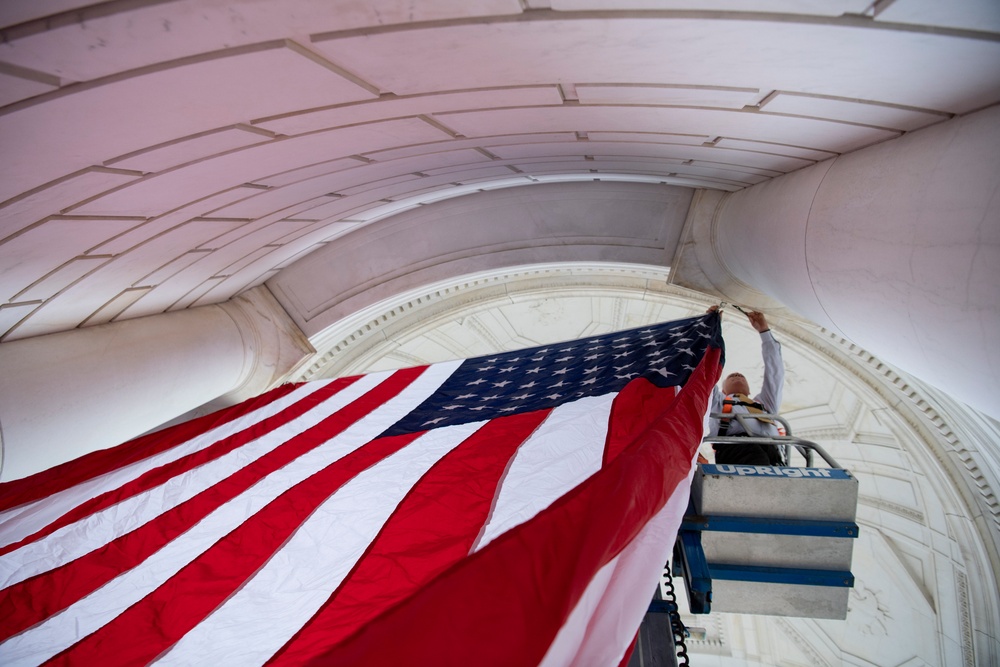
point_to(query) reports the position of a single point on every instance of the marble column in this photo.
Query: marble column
(895, 247)
(66, 394)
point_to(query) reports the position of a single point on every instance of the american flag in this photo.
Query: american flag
(510, 509)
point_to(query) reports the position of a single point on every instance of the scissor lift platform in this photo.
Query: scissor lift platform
(774, 540)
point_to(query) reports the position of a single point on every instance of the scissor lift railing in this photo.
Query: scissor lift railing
(787, 443)
(774, 540)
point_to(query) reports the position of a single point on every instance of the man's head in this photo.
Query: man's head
(735, 383)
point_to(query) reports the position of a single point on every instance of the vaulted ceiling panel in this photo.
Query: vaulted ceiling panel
(391, 191)
(153, 230)
(192, 296)
(330, 207)
(118, 40)
(748, 51)
(666, 95)
(171, 189)
(777, 164)
(977, 15)
(455, 144)
(774, 148)
(470, 169)
(650, 137)
(250, 271)
(79, 301)
(243, 134)
(17, 83)
(172, 268)
(850, 111)
(12, 313)
(816, 7)
(456, 229)
(362, 188)
(398, 107)
(342, 182)
(12, 13)
(27, 258)
(33, 206)
(811, 133)
(97, 123)
(309, 171)
(727, 176)
(226, 258)
(189, 149)
(112, 309)
(61, 278)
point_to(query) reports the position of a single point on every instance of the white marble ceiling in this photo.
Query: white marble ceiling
(163, 155)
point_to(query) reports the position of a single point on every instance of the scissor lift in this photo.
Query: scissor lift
(774, 540)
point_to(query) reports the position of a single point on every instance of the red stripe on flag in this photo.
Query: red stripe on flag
(162, 474)
(648, 402)
(629, 651)
(154, 624)
(504, 604)
(33, 600)
(61, 477)
(434, 527)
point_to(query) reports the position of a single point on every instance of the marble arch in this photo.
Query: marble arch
(195, 195)
(928, 557)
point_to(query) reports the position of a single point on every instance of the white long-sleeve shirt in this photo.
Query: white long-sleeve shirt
(769, 396)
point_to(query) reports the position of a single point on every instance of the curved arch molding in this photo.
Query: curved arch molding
(634, 223)
(928, 557)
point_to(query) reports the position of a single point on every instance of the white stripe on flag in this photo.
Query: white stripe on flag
(19, 522)
(602, 625)
(565, 450)
(283, 595)
(96, 530)
(90, 613)
(564, 647)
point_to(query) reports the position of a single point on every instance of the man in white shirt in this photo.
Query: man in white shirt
(734, 398)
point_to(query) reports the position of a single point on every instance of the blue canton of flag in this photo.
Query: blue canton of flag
(544, 377)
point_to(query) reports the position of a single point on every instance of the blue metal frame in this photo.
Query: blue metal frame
(690, 556)
(661, 607)
(782, 575)
(752, 524)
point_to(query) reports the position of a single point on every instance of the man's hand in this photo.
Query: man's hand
(757, 320)
(712, 309)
